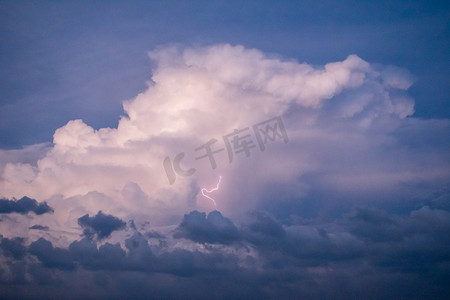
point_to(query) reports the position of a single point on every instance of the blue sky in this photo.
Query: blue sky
(224, 150)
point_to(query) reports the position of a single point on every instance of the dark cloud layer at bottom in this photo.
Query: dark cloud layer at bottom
(365, 254)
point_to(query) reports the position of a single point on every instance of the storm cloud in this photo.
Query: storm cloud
(213, 228)
(353, 204)
(294, 258)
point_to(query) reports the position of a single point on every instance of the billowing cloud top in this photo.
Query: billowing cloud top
(196, 95)
(343, 141)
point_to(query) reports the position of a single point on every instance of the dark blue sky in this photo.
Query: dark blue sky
(80, 59)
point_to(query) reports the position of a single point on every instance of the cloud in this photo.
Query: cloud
(106, 257)
(154, 235)
(179, 112)
(39, 227)
(23, 206)
(13, 247)
(375, 225)
(51, 257)
(264, 231)
(213, 229)
(360, 187)
(100, 225)
(28, 155)
(297, 258)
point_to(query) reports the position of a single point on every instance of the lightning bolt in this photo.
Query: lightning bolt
(203, 190)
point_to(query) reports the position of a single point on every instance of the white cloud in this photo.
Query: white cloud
(339, 119)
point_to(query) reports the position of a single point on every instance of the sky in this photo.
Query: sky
(224, 150)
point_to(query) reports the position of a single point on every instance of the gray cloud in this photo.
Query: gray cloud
(154, 235)
(13, 247)
(264, 230)
(51, 257)
(23, 206)
(373, 225)
(214, 228)
(271, 260)
(39, 227)
(106, 257)
(100, 225)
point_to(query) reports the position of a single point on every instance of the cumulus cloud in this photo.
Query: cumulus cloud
(100, 225)
(27, 155)
(179, 112)
(360, 186)
(23, 206)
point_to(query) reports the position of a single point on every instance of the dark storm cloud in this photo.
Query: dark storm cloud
(264, 230)
(13, 247)
(140, 257)
(51, 257)
(421, 243)
(106, 257)
(100, 225)
(23, 206)
(401, 256)
(376, 226)
(373, 225)
(302, 246)
(183, 262)
(213, 229)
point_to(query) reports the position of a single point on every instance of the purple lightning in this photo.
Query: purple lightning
(203, 190)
